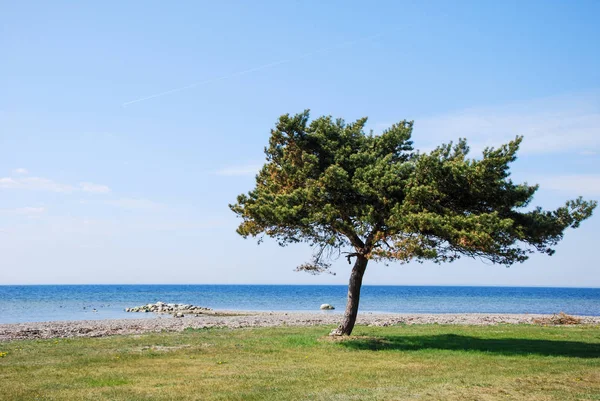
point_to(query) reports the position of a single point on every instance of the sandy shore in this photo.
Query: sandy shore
(101, 328)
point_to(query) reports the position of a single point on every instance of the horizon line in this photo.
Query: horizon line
(307, 285)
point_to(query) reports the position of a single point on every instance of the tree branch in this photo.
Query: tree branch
(369, 242)
(350, 255)
(352, 236)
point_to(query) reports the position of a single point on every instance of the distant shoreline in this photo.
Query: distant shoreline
(312, 285)
(242, 319)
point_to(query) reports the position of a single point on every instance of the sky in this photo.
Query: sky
(126, 128)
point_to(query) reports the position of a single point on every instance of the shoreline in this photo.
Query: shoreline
(242, 319)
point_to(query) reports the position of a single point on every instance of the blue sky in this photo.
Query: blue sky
(127, 127)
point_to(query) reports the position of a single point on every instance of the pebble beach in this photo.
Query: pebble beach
(232, 319)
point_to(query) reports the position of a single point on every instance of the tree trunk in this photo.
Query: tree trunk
(358, 271)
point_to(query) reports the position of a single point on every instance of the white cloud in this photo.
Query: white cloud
(583, 184)
(232, 171)
(94, 188)
(26, 211)
(552, 125)
(7, 182)
(45, 184)
(30, 211)
(21, 171)
(34, 184)
(134, 204)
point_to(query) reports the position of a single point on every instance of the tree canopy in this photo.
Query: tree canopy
(331, 184)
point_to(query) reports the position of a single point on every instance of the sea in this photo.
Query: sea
(38, 303)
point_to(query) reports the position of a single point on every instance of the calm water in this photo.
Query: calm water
(75, 302)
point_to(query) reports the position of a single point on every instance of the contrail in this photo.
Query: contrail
(244, 72)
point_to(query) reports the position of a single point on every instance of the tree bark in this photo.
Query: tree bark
(358, 271)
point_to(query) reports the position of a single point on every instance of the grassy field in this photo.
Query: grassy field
(429, 362)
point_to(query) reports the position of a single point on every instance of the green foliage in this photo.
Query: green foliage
(334, 186)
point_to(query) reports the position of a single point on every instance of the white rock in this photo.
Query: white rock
(327, 307)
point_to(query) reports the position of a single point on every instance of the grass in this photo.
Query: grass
(427, 362)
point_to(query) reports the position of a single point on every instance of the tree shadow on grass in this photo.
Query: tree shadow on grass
(453, 342)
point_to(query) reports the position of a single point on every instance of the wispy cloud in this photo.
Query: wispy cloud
(26, 211)
(94, 188)
(20, 171)
(34, 184)
(246, 170)
(254, 69)
(583, 184)
(45, 184)
(559, 124)
(134, 204)
(30, 210)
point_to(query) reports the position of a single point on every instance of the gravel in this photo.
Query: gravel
(101, 328)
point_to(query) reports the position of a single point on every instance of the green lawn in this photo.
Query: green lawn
(427, 362)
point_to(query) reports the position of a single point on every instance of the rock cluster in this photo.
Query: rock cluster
(101, 328)
(178, 310)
